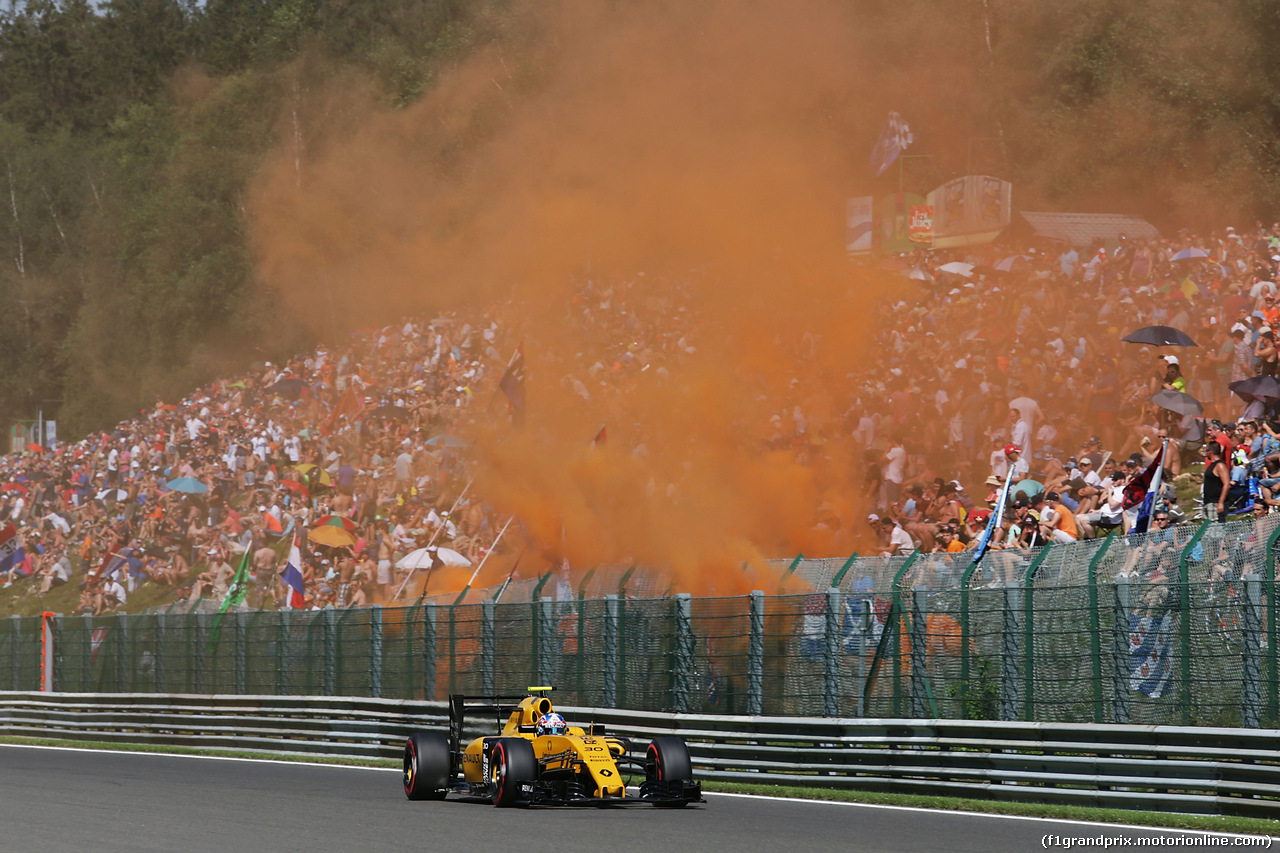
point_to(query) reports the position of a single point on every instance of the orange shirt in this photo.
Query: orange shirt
(1065, 520)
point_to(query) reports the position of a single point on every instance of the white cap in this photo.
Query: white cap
(1172, 359)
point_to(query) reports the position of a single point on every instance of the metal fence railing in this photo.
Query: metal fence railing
(1155, 768)
(1175, 627)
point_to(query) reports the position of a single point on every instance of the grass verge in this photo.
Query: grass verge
(1157, 820)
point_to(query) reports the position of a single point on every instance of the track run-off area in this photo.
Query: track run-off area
(60, 799)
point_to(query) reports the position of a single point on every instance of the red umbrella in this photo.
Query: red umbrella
(14, 487)
(296, 487)
(35, 448)
(337, 521)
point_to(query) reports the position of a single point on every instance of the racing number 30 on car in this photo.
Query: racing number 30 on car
(537, 758)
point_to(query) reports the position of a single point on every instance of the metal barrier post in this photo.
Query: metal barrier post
(610, 663)
(1009, 657)
(375, 651)
(238, 634)
(1095, 627)
(1029, 635)
(831, 657)
(755, 656)
(1184, 591)
(487, 643)
(160, 652)
(1251, 675)
(59, 659)
(681, 699)
(1273, 665)
(1120, 652)
(429, 651)
(329, 644)
(546, 639)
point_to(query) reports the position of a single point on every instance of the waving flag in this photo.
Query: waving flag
(235, 596)
(1143, 490)
(1150, 654)
(894, 139)
(994, 521)
(291, 577)
(512, 381)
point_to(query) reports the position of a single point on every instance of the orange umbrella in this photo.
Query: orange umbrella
(335, 536)
(296, 487)
(35, 448)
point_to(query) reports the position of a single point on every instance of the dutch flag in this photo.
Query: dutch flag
(291, 577)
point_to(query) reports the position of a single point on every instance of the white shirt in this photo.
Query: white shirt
(897, 466)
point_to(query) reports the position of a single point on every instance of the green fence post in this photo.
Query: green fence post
(453, 649)
(546, 640)
(581, 655)
(487, 643)
(161, 635)
(1028, 634)
(329, 644)
(199, 630)
(1009, 656)
(86, 654)
(15, 652)
(831, 657)
(1273, 670)
(1251, 673)
(897, 615)
(123, 670)
(790, 570)
(283, 635)
(1095, 626)
(59, 658)
(429, 651)
(755, 655)
(241, 650)
(622, 640)
(919, 645)
(966, 638)
(1184, 584)
(375, 651)
(610, 668)
(1120, 652)
(683, 660)
(847, 565)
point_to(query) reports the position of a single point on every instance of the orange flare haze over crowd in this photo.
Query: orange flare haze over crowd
(703, 151)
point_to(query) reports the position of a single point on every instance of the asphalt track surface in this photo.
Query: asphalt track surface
(76, 800)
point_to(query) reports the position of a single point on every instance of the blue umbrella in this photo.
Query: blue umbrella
(448, 440)
(1190, 255)
(190, 485)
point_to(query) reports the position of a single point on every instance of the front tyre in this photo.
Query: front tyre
(667, 760)
(512, 766)
(426, 766)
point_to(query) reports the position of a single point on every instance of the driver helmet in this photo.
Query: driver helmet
(552, 724)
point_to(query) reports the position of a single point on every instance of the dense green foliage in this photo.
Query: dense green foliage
(131, 129)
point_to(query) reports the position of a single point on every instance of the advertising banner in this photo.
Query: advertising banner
(971, 209)
(858, 224)
(920, 224)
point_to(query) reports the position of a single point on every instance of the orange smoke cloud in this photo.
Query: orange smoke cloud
(703, 151)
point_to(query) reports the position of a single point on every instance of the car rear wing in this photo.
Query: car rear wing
(460, 706)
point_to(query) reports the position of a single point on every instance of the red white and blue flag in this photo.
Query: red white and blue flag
(11, 553)
(291, 577)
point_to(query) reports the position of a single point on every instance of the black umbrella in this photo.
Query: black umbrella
(1160, 336)
(1178, 402)
(389, 412)
(288, 387)
(1266, 387)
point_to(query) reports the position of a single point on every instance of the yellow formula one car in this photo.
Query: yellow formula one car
(538, 759)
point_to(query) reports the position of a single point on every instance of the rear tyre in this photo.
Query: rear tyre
(511, 765)
(426, 766)
(667, 760)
